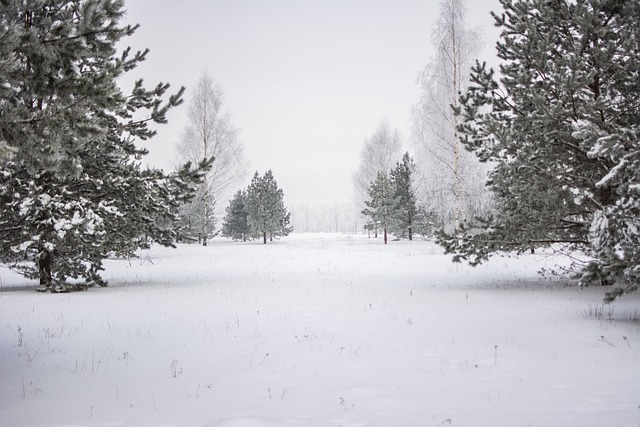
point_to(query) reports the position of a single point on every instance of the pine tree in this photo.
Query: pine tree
(266, 212)
(426, 223)
(235, 224)
(284, 221)
(406, 209)
(73, 191)
(381, 205)
(562, 127)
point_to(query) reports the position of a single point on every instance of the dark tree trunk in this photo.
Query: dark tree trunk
(385, 234)
(264, 237)
(44, 268)
(410, 234)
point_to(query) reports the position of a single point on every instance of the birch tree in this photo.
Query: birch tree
(210, 132)
(380, 153)
(452, 180)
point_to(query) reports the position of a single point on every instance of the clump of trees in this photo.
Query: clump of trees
(379, 152)
(209, 133)
(258, 212)
(392, 204)
(561, 124)
(72, 189)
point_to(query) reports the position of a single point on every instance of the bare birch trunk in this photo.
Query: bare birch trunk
(456, 144)
(205, 195)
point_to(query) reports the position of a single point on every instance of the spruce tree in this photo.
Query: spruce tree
(381, 205)
(266, 212)
(561, 124)
(406, 209)
(235, 224)
(73, 191)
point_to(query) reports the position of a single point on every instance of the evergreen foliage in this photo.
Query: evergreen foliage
(561, 124)
(73, 191)
(406, 208)
(267, 214)
(381, 207)
(235, 223)
(426, 223)
(392, 205)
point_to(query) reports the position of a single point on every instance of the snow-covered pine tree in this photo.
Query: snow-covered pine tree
(562, 126)
(426, 223)
(381, 206)
(235, 224)
(285, 228)
(406, 209)
(266, 212)
(73, 189)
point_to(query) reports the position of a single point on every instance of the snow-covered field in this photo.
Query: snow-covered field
(318, 330)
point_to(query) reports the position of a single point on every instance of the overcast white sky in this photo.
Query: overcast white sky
(306, 81)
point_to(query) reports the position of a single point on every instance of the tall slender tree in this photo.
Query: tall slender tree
(561, 124)
(406, 206)
(73, 190)
(452, 180)
(209, 132)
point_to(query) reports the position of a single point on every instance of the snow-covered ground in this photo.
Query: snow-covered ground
(318, 330)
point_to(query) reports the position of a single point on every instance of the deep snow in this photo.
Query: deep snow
(319, 330)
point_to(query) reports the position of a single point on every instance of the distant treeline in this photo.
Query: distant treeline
(326, 218)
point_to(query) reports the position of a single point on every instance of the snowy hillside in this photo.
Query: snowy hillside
(318, 330)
